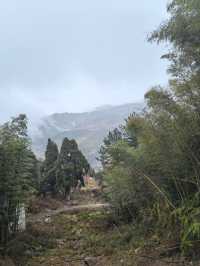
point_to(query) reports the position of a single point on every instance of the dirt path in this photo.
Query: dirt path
(47, 214)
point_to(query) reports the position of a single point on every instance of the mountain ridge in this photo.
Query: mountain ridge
(87, 128)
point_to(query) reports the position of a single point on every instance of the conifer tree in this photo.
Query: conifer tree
(81, 165)
(71, 166)
(65, 170)
(50, 166)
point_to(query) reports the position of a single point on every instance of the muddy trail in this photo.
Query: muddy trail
(78, 233)
(75, 233)
(66, 209)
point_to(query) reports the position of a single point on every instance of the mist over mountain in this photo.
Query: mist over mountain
(88, 128)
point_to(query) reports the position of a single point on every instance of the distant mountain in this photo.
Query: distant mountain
(88, 128)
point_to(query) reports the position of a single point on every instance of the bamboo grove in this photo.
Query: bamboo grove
(152, 163)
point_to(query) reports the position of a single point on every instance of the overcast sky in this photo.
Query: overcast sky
(73, 55)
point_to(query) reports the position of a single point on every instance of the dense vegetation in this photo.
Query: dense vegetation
(151, 165)
(18, 174)
(22, 175)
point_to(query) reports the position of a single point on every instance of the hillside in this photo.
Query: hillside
(88, 128)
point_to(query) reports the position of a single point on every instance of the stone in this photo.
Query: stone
(47, 220)
(90, 261)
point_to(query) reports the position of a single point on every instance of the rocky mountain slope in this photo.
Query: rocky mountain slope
(88, 128)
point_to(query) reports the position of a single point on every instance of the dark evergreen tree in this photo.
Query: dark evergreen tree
(51, 154)
(81, 165)
(65, 170)
(49, 168)
(72, 164)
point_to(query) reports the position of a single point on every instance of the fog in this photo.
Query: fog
(71, 56)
